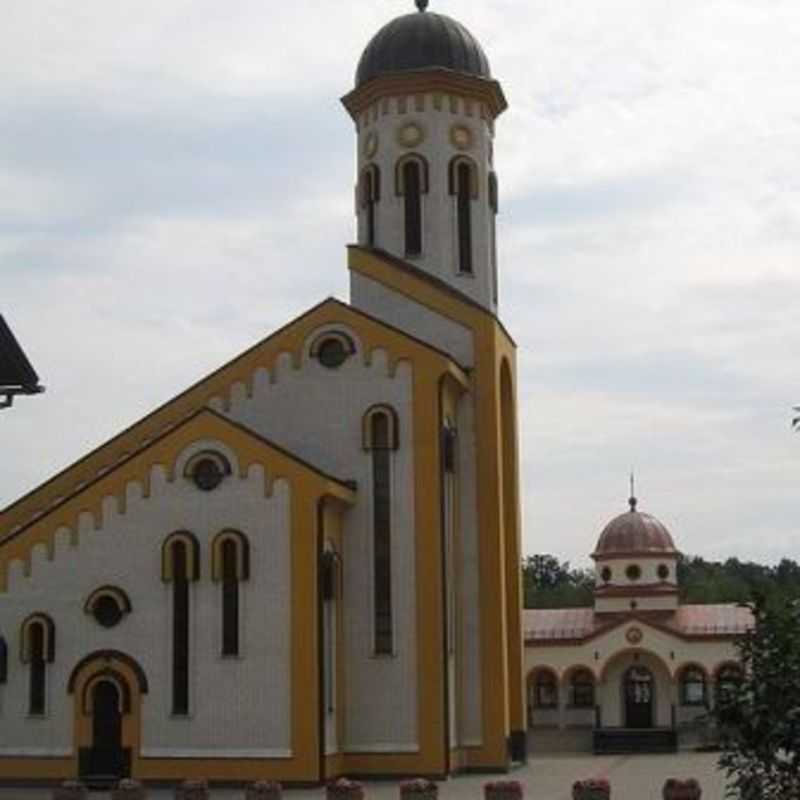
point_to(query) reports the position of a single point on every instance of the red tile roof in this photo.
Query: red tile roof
(689, 621)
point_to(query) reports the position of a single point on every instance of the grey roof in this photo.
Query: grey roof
(419, 41)
(15, 369)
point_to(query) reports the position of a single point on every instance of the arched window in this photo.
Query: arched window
(38, 650)
(411, 183)
(380, 437)
(581, 689)
(463, 184)
(180, 560)
(545, 689)
(370, 195)
(230, 566)
(330, 570)
(108, 605)
(494, 204)
(692, 684)
(207, 470)
(3, 661)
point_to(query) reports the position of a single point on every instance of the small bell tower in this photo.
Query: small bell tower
(425, 107)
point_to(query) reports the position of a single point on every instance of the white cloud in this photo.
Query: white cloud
(650, 230)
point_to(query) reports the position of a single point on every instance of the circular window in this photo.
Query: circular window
(106, 610)
(332, 353)
(634, 572)
(606, 574)
(663, 571)
(207, 475)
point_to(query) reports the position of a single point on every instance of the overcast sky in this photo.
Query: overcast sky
(176, 182)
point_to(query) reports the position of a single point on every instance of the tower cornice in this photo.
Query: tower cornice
(488, 92)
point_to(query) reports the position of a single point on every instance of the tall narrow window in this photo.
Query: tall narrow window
(494, 204)
(3, 661)
(449, 464)
(370, 195)
(380, 437)
(412, 181)
(180, 629)
(464, 200)
(38, 649)
(230, 553)
(180, 560)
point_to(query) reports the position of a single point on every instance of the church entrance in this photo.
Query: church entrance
(638, 690)
(106, 761)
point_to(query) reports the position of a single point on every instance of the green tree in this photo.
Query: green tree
(759, 716)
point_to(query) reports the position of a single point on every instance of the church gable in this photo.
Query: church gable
(285, 349)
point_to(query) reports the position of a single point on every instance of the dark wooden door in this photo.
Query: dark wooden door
(107, 729)
(639, 689)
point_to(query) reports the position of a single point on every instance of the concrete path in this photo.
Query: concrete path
(545, 778)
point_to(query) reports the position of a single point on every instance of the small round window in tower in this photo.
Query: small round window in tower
(461, 137)
(606, 574)
(207, 474)
(634, 572)
(663, 571)
(332, 353)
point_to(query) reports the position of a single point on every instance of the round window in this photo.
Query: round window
(663, 571)
(606, 574)
(107, 611)
(634, 572)
(207, 475)
(332, 353)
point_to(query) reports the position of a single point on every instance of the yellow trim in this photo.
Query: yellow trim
(292, 339)
(249, 448)
(242, 547)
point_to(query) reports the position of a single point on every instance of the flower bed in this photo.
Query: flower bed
(128, 789)
(264, 790)
(502, 790)
(591, 789)
(192, 790)
(344, 789)
(419, 789)
(688, 789)
(71, 790)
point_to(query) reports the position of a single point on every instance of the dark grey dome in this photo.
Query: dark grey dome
(422, 40)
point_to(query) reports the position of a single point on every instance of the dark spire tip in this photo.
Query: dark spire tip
(422, 5)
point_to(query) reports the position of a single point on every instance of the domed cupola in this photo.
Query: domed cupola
(422, 41)
(636, 562)
(425, 106)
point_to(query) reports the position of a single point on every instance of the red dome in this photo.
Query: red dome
(634, 534)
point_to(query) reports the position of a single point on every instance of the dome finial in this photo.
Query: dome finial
(422, 5)
(632, 501)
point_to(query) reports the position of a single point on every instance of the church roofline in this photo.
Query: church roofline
(347, 488)
(432, 280)
(7, 521)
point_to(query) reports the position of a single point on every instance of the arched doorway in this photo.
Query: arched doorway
(638, 691)
(107, 729)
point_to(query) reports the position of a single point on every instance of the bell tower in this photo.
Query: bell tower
(425, 107)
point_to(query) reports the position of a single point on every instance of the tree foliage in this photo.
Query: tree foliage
(550, 583)
(759, 717)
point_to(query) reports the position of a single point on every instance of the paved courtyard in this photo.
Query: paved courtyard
(545, 778)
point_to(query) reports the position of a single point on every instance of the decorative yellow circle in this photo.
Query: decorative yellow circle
(634, 635)
(461, 137)
(410, 135)
(371, 144)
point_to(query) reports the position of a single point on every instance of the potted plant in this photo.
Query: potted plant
(264, 790)
(344, 789)
(71, 790)
(591, 789)
(419, 789)
(128, 789)
(688, 789)
(502, 790)
(192, 790)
